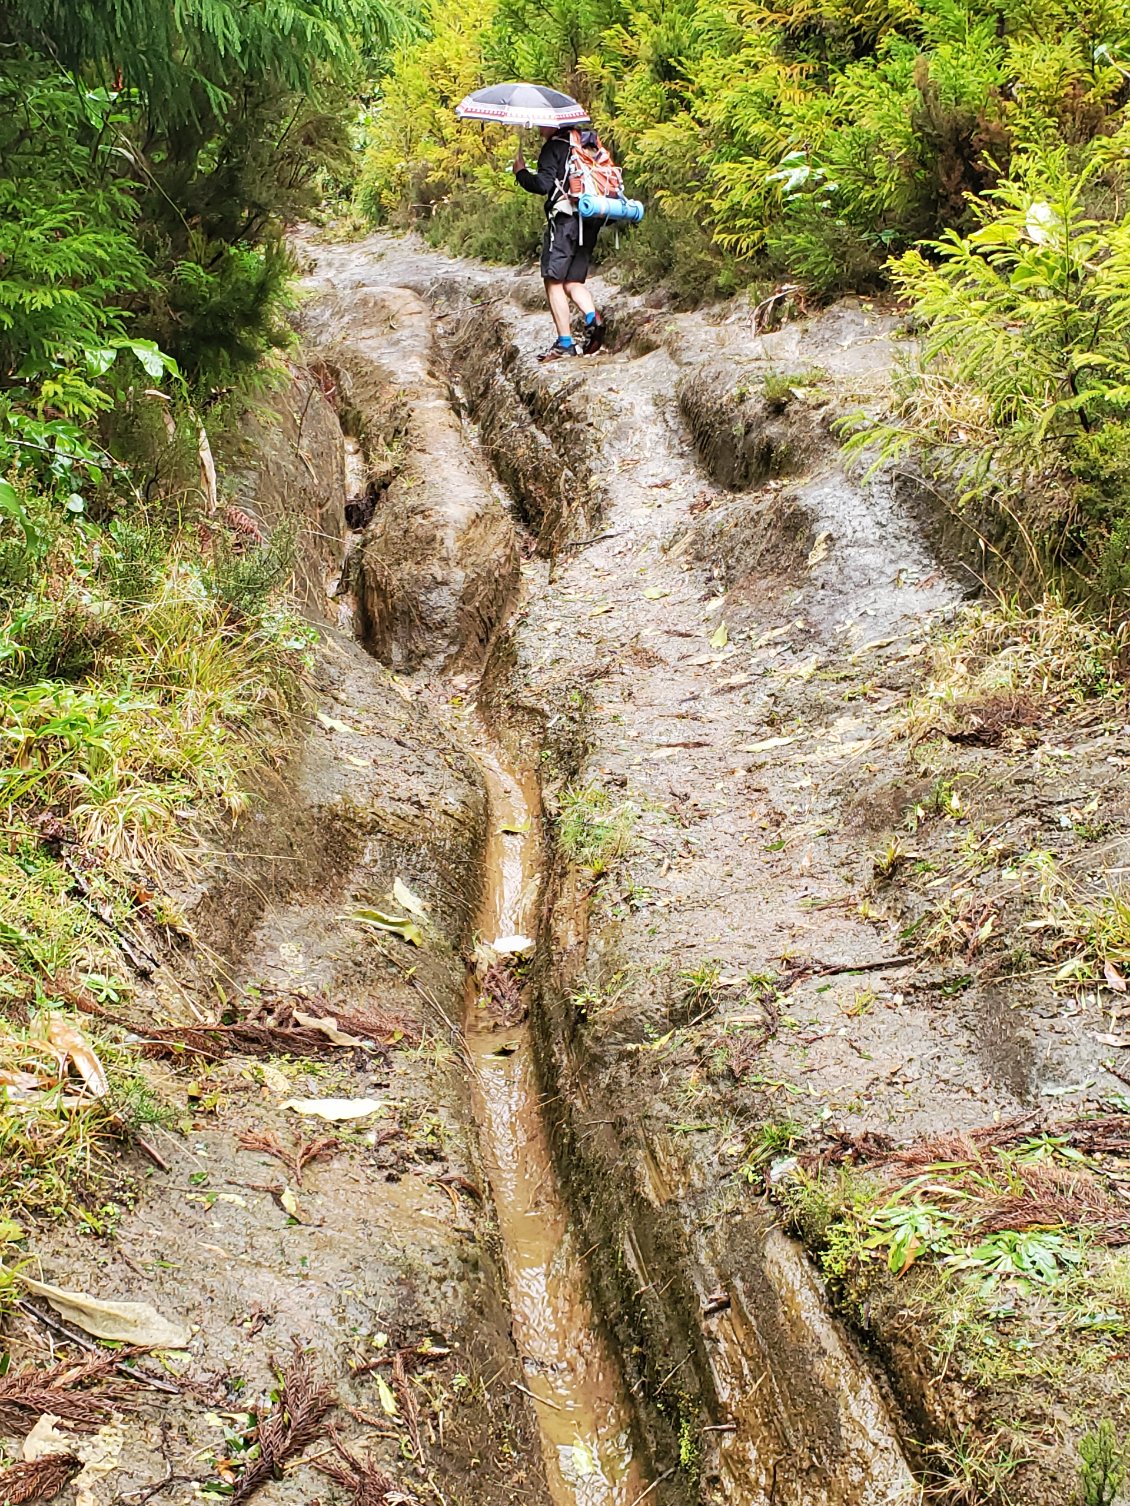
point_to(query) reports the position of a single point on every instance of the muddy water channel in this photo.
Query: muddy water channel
(609, 658)
(569, 1370)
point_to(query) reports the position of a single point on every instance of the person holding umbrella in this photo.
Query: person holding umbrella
(567, 244)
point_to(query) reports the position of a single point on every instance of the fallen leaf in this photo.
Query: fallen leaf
(819, 548)
(328, 1028)
(332, 724)
(1106, 1039)
(399, 925)
(125, 1322)
(1114, 978)
(803, 671)
(44, 1439)
(409, 901)
(655, 593)
(513, 946)
(720, 636)
(514, 828)
(388, 1400)
(583, 1462)
(277, 1081)
(334, 1108)
(19, 1084)
(774, 633)
(605, 606)
(71, 1043)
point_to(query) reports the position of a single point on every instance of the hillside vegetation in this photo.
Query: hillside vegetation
(151, 155)
(972, 155)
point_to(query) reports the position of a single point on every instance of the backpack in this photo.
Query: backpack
(590, 168)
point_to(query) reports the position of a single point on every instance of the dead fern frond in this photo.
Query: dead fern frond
(296, 1157)
(291, 1425)
(367, 1482)
(37, 1480)
(28, 1393)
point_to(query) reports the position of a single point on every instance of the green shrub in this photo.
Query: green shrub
(222, 308)
(48, 639)
(504, 228)
(1020, 396)
(245, 577)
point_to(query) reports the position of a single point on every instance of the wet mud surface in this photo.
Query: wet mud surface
(638, 646)
(717, 634)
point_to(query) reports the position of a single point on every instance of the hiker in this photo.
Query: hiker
(567, 244)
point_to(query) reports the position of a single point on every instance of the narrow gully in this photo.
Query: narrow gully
(570, 1372)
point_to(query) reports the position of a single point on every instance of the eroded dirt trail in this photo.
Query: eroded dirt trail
(625, 674)
(568, 1368)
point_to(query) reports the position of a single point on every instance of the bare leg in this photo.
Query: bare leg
(558, 302)
(581, 296)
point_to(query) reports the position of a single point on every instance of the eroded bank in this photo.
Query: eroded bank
(694, 1314)
(708, 664)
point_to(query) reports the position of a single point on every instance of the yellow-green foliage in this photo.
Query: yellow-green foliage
(419, 150)
(813, 137)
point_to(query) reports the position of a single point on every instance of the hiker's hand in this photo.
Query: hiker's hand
(519, 163)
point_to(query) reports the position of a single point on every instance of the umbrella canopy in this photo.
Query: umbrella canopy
(522, 105)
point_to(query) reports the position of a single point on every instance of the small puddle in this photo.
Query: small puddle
(570, 1372)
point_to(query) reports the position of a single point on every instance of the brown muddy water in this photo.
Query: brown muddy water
(570, 1372)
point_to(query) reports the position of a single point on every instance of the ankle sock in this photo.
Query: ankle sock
(565, 341)
(590, 319)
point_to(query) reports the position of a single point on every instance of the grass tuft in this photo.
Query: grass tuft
(1005, 665)
(592, 831)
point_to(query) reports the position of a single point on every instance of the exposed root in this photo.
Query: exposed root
(37, 1480)
(366, 1481)
(297, 1157)
(289, 1427)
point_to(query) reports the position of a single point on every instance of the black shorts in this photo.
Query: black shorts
(564, 255)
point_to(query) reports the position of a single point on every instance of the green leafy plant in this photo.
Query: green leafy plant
(1102, 1465)
(1036, 1255)
(592, 830)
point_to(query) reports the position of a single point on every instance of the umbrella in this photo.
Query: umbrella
(522, 105)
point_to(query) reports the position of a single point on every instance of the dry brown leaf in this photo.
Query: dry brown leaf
(72, 1045)
(327, 1027)
(123, 1322)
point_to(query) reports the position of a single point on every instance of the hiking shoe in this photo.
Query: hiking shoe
(594, 336)
(557, 350)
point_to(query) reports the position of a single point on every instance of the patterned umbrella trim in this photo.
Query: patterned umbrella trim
(552, 117)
